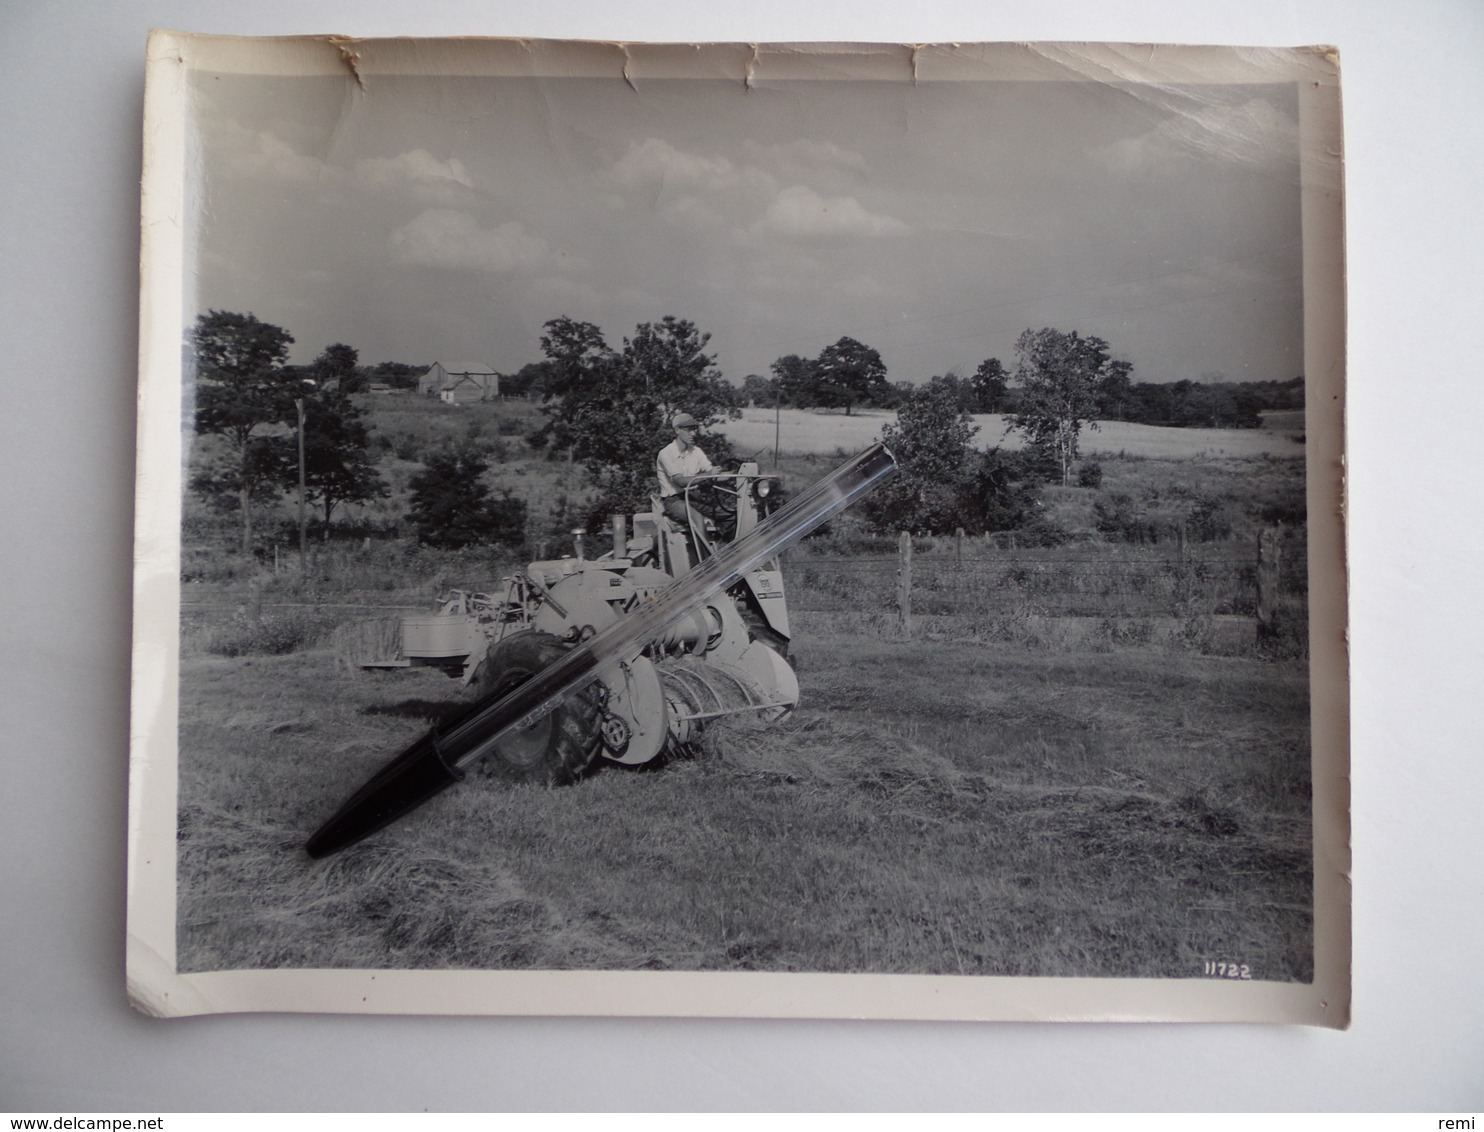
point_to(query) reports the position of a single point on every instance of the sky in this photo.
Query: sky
(447, 219)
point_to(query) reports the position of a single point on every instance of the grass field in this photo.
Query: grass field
(811, 431)
(933, 806)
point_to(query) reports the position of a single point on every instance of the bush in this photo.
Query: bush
(452, 507)
(272, 634)
(931, 441)
(1042, 531)
(1001, 494)
(1290, 510)
(1208, 521)
(1120, 518)
(1090, 474)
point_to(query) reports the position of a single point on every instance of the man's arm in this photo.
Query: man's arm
(670, 463)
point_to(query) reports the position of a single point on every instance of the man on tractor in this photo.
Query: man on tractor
(682, 465)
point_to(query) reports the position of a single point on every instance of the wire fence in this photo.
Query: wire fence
(1225, 579)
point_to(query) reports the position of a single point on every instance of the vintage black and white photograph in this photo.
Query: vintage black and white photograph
(469, 356)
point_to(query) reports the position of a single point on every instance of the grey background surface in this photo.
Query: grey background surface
(72, 86)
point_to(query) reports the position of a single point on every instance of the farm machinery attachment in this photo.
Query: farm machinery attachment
(623, 657)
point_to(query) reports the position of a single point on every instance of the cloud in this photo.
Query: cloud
(416, 172)
(806, 160)
(268, 156)
(658, 165)
(419, 172)
(798, 212)
(1256, 134)
(445, 237)
(764, 191)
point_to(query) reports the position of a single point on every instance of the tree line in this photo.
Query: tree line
(609, 406)
(805, 383)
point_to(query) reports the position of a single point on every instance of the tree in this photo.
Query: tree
(931, 441)
(612, 409)
(337, 462)
(963, 392)
(760, 391)
(581, 376)
(942, 482)
(894, 394)
(1060, 377)
(258, 470)
(241, 386)
(338, 367)
(451, 506)
(529, 379)
(991, 385)
(1114, 391)
(848, 373)
(1001, 495)
(796, 379)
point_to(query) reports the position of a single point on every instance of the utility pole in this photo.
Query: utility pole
(777, 418)
(303, 521)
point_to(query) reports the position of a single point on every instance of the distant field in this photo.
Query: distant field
(807, 431)
(1283, 420)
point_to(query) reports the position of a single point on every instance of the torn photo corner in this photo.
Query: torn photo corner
(456, 353)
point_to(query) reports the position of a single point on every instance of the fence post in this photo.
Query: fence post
(1269, 573)
(958, 568)
(255, 601)
(904, 582)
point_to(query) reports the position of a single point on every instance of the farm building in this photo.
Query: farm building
(460, 384)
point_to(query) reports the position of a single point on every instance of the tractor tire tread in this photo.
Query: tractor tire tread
(575, 740)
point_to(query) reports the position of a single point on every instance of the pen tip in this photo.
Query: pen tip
(405, 783)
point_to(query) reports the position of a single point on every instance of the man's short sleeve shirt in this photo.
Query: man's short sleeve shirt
(672, 462)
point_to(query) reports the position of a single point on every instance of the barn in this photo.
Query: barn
(461, 383)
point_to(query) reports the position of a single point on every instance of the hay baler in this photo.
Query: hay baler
(726, 658)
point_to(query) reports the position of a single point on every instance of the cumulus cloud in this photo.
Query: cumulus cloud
(1254, 134)
(697, 191)
(656, 164)
(767, 192)
(268, 156)
(445, 237)
(419, 172)
(798, 212)
(806, 160)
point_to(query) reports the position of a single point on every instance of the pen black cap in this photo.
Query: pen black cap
(401, 786)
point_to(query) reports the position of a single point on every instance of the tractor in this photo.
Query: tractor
(726, 658)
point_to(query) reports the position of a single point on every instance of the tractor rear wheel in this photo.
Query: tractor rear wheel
(559, 748)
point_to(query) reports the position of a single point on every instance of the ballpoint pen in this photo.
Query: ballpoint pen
(440, 758)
